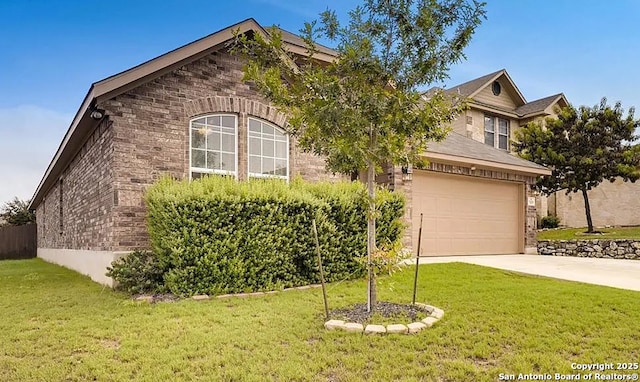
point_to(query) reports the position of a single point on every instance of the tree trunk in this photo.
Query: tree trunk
(371, 222)
(587, 210)
(371, 237)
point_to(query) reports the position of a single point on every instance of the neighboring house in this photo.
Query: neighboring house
(188, 113)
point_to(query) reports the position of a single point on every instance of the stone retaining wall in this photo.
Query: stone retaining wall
(610, 249)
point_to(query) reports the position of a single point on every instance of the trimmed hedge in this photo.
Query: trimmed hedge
(216, 235)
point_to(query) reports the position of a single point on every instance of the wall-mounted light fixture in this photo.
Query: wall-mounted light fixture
(407, 173)
(96, 114)
(473, 168)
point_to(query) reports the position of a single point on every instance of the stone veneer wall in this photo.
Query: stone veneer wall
(609, 249)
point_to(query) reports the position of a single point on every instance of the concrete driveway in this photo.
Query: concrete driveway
(624, 274)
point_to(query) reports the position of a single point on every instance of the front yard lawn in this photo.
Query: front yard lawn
(579, 233)
(57, 325)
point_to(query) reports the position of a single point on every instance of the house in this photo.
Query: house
(188, 113)
(476, 195)
(497, 109)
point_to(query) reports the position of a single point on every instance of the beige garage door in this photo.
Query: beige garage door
(466, 215)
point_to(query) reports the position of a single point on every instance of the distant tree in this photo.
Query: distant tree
(583, 147)
(16, 212)
(365, 109)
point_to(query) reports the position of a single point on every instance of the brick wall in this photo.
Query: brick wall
(85, 221)
(151, 134)
(146, 134)
(394, 181)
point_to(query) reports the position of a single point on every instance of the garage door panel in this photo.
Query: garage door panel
(443, 206)
(465, 215)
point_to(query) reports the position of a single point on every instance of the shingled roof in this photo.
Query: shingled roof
(539, 105)
(83, 124)
(460, 146)
(470, 87)
(294, 39)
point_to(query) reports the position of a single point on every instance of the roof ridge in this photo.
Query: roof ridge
(538, 105)
(177, 49)
(543, 98)
(478, 79)
(303, 45)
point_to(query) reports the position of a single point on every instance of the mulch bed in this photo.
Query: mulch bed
(389, 310)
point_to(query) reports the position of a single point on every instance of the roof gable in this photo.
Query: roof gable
(123, 81)
(542, 106)
(112, 86)
(467, 88)
(479, 85)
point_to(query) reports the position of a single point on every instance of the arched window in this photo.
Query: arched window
(268, 150)
(214, 146)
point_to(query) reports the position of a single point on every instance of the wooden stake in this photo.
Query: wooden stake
(324, 288)
(415, 279)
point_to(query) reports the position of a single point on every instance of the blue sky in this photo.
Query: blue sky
(51, 52)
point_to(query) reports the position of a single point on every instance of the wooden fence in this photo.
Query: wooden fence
(18, 242)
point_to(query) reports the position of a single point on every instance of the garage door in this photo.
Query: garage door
(466, 215)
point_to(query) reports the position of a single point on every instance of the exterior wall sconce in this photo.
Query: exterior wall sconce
(407, 173)
(473, 168)
(97, 114)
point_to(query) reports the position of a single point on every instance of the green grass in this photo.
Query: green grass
(58, 326)
(579, 233)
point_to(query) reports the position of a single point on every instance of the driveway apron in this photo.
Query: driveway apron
(617, 273)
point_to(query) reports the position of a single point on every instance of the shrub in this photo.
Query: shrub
(550, 222)
(138, 272)
(388, 258)
(344, 236)
(216, 235)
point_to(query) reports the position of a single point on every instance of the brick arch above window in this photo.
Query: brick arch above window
(231, 104)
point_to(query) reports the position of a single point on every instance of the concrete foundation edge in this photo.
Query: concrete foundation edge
(89, 263)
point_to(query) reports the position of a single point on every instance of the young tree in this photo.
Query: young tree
(365, 109)
(583, 147)
(16, 212)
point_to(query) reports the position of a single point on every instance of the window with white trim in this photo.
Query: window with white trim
(489, 131)
(503, 134)
(214, 145)
(268, 150)
(499, 138)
